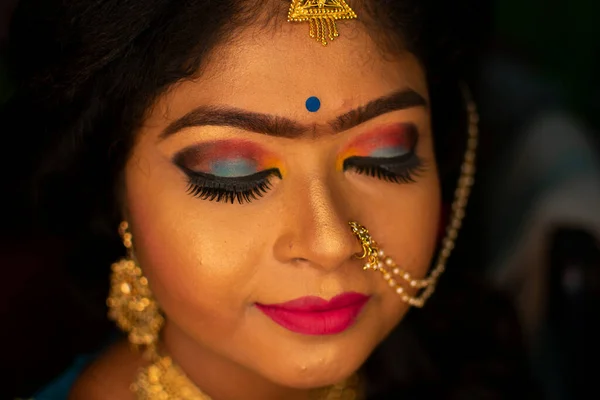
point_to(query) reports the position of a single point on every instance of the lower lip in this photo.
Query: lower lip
(327, 322)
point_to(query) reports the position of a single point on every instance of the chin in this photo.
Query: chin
(318, 370)
(314, 381)
(312, 361)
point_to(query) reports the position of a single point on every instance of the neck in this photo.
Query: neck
(219, 377)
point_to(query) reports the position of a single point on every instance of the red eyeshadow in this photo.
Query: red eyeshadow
(230, 148)
(202, 156)
(397, 135)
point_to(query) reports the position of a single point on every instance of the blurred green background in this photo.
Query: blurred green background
(562, 41)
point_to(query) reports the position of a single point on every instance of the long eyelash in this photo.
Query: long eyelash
(406, 171)
(230, 190)
(228, 195)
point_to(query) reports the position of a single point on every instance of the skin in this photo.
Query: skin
(292, 242)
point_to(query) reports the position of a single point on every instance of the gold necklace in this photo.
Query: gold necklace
(164, 380)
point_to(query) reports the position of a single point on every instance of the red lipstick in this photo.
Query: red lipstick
(316, 316)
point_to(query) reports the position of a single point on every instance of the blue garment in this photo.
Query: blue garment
(59, 388)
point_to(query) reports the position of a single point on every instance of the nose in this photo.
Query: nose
(316, 231)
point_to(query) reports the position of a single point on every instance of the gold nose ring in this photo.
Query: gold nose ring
(364, 254)
(369, 246)
(376, 260)
(391, 272)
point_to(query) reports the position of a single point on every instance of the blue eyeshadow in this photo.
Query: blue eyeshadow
(233, 167)
(388, 152)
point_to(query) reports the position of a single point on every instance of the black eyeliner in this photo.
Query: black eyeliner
(243, 189)
(400, 169)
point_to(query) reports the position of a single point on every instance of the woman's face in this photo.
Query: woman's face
(239, 199)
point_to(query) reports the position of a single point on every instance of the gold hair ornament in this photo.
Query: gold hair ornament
(133, 307)
(375, 257)
(321, 16)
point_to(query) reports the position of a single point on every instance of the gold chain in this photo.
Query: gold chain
(135, 310)
(164, 380)
(133, 307)
(376, 259)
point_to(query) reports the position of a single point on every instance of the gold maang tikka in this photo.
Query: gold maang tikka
(376, 259)
(321, 16)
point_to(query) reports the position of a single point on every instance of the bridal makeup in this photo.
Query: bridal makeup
(387, 153)
(228, 170)
(313, 104)
(389, 141)
(313, 315)
(264, 283)
(227, 159)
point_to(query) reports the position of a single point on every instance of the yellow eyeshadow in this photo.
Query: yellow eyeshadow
(349, 152)
(271, 162)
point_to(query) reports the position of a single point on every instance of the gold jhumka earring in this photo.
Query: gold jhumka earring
(132, 306)
(134, 309)
(392, 273)
(130, 301)
(321, 16)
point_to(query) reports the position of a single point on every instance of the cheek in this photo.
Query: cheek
(417, 223)
(407, 230)
(194, 272)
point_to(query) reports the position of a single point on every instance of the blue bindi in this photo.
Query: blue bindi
(313, 104)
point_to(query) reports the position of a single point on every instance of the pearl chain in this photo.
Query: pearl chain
(391, 272)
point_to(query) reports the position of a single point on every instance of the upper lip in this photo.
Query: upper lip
(318, 304)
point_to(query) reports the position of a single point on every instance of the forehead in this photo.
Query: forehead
(274, 71)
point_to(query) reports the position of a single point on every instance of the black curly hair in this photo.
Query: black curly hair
(87, 71)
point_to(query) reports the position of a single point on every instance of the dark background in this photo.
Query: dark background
(538, 204)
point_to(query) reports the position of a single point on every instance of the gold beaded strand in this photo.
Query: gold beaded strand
(376, 258)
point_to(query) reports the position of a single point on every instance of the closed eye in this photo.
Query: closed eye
(401, 169)
(242, 189)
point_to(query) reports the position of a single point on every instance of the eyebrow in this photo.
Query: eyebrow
(400, 100)
(284, 127)
(224, 116)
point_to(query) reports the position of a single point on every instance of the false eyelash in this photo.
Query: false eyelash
(227, 195)
(403, 169)
(229, 190)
